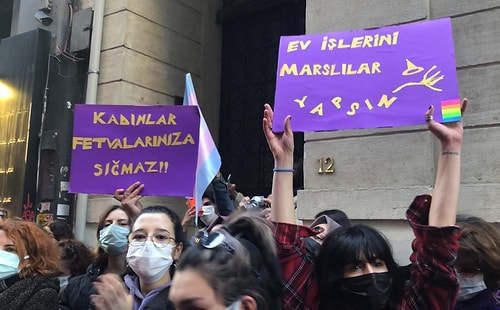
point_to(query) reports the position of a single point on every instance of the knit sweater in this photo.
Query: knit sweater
(29, 294)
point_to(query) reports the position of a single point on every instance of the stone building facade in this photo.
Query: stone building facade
(149, 45)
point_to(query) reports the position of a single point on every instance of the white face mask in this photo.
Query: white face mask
(149, 262)
(209, 214)
(8, 264)
(470, 287)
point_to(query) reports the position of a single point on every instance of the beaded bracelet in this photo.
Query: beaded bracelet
(283, 170)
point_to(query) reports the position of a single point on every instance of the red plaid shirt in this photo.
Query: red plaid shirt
(433, 283)
(300, 287)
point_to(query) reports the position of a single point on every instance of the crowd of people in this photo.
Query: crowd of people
(250, 253)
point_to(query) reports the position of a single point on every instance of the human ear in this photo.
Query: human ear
(177, 251)
(248, 303)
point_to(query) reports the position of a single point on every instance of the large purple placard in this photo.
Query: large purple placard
(383, 77)
(117, 145)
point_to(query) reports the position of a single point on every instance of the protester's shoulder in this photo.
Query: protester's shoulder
(161, 301)
(84, 280)
(495, 297)
(39, 283)
(43, 292)
(48, 290)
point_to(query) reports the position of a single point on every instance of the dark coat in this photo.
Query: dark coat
(76, 295)
(488, 299)
(30, 293)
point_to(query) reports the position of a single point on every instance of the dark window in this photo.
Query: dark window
(251, 34)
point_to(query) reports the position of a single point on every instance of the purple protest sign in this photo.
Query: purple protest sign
(383, 77)
(117, 145)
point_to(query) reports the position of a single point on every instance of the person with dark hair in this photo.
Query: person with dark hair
(109, 257)
(155, 243)
(28, 267)
(354, 267)
(59, 229)
(324, 223)
(75, 258)
(478, 265)
(233, 267)
(216, 201)
(337, 215)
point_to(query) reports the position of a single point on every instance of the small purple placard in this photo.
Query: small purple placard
(117, 145)
(383, 77)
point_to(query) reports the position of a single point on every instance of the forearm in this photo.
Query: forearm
(222, 199)
(283, 209)
(446, 188)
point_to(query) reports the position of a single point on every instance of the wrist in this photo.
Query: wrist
(284, 163)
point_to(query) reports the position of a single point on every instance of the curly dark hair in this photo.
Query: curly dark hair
(75, 256)
(60, 230)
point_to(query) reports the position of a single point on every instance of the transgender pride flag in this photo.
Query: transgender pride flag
(209, 161)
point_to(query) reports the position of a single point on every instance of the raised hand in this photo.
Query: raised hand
(447, 133)
(447, 184)
(130, 198)
(281, 144)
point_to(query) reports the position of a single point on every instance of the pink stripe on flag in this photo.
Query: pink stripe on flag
(209, 161)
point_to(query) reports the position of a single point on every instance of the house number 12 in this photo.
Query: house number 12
(326, 165)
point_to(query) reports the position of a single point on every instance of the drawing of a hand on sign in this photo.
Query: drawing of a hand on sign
(427, 81)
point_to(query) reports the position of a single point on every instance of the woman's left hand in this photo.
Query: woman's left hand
(112, 294)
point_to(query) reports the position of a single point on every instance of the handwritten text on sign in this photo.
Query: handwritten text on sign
(381, 77)
(116, 145)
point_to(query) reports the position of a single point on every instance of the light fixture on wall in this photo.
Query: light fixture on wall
(43, 17)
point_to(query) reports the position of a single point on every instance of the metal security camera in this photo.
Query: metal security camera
(43, 18)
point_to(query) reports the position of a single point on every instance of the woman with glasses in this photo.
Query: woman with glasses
(234, 267)
(478, 265)
(355, 268)
(155, 243)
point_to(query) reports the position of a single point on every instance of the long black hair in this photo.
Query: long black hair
(351, 245)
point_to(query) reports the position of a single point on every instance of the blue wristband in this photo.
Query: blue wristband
(283, 170)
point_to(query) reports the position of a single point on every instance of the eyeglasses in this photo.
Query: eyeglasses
(160, 240)
(468, 272)
(211, 240)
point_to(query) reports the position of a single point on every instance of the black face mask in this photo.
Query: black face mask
(312, 246)
(369, 291)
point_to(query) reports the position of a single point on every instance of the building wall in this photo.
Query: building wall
(378, 172)
(147, 48)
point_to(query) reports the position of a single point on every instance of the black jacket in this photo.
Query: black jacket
(76, 296)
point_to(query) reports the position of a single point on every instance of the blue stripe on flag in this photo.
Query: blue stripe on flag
(209, 161)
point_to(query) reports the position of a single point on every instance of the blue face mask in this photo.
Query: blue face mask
(470, 286)
(8, 264)
(113, 239)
